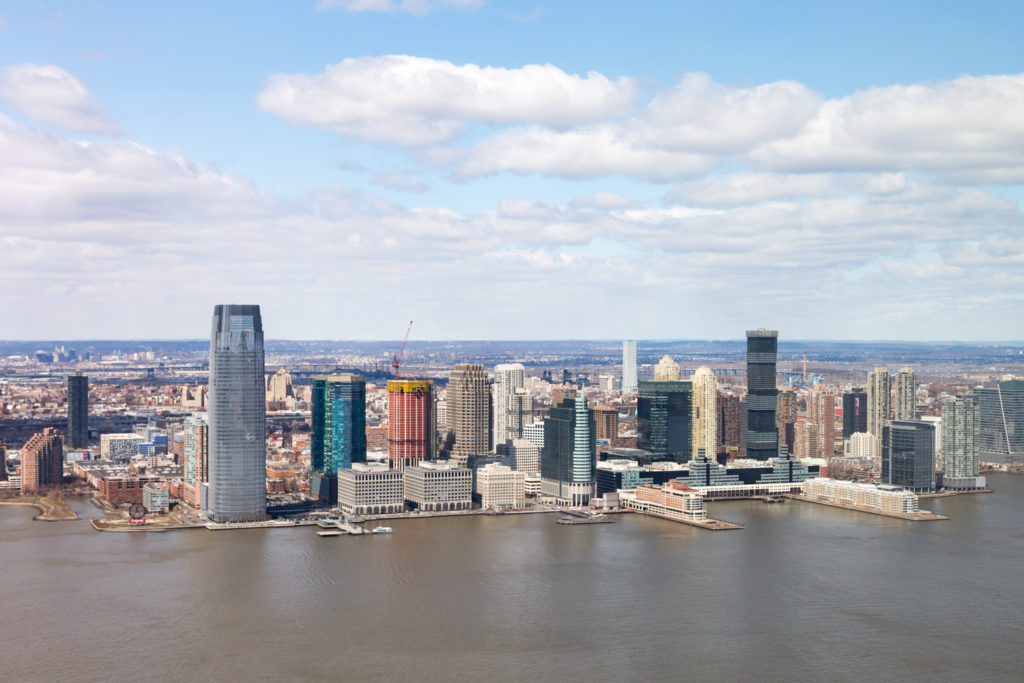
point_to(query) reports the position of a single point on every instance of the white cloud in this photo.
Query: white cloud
(50, 95)
(417, 101)
(86, 228)
(398, 180)
(685, 130)
(970, 126)
(420, 7)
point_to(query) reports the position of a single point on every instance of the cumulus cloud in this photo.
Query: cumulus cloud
(420, 7)
(50, 95)
(86, 228)
(398, 180)
(417, 101)
(970, 127)
(687, 129)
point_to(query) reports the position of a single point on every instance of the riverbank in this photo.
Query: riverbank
(51, 509)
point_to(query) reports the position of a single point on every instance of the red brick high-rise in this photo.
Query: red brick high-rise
(412, 428)
(607, 423)
(42, 461)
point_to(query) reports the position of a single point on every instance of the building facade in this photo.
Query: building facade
(664, 419)
(42, 461)
(236, 491)
(523, 455)
(882, 498)
(509, 378)
(906, 395)
(855, 412)
(879, 401)
(569, 456)
(705, 412)
(667, 370)
(1001, 411)
(438, 486)
(370, 488)
(629, 384)
(197, 459)
(908, 455)
(412, 427)
(762, 394)
(961, 423)
(78, 411)
(501, 487)
(468, 410)
(338, 431)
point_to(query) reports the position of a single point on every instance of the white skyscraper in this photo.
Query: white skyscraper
(705, 413)
(879, 401)
(237, 446)
(667, 370)
(906, 395)
(508, 379)
(628, 366)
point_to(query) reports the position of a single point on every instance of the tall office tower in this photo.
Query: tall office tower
(469, 393)
(906, 395)
(664, 419)
(42, 461)
(279, 386)
(1002, 421)
(785, 417)
(961, 422)
(908, 455)
(821, 413)
(762, 394)
(78, 411)
(338, 438)
(3, 462)
(569, 457)
(519, 413)
(237, 490)
(667, 370)
(197, 459)
(728, 424)
(508, 378)
(412, 422)
(855, 412)
(879, 401)
(705, 412)
(607, 419)
(629, 384)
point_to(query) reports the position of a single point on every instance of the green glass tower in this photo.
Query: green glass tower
(339, 431)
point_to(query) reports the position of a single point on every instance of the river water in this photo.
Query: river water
(803, 592)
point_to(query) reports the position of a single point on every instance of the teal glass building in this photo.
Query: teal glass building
(338, 436)
(664, 417)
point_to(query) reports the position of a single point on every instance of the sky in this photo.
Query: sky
(507, 170)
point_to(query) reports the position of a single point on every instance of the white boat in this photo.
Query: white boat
(381, 530)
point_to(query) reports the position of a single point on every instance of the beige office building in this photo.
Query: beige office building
(468, 403)
(370, 488)
(439, 486)
(501, 487)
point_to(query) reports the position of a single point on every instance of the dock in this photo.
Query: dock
(921, 516)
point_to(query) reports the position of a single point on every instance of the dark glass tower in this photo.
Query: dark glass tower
(855, 412)
(762, 394)
(1001, 433)
(908, 454)
(339, 431)
(78, 411)
(569, 457)
(664, 417)
(237, 459)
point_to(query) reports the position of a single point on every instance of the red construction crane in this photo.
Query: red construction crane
(397, 360)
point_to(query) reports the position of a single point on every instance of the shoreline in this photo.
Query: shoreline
(922, 516)
(47, 513)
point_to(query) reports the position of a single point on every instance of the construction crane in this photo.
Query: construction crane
(397, 360)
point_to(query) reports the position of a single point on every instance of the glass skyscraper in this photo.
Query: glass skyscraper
(338, 436)
(569, 457)
(908, 454)
(1002, 421)
(855, 412)
(762, 394)
(237, 459)
(78, 411)
(664, 419)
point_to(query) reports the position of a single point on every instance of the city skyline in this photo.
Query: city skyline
(863, 199)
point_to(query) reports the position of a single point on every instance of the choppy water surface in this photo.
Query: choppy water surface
(804, 592)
